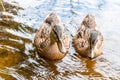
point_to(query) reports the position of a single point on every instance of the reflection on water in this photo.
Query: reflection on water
(19, 59)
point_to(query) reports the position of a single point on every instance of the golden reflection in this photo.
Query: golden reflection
(6, 77)
(8, 57)
(12, 45)
(90, 65)
(53, 66)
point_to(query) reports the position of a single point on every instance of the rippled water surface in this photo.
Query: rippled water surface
(19, 59)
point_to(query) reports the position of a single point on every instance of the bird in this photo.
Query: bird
(51, 41)
(88, 42)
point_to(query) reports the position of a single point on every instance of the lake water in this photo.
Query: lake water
(19, 59)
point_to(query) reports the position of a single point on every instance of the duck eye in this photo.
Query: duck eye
(93, 42)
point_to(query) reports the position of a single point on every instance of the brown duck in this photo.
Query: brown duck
(50, 40)
(88, 42)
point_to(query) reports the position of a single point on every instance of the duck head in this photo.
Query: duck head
(89, 21)
(52, 19)
(95, 44)
(57, 30)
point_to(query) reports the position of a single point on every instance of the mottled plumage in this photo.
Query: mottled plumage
(50, 40)
(88, 42)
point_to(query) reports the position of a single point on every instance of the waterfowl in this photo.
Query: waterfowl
(51, 40)
(88, 41)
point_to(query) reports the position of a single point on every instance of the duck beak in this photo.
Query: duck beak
(93, 43)
(59, 33)
(61, 46)
(91, 54)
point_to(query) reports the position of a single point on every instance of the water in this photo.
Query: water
(19, 59)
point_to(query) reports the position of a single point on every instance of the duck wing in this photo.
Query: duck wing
(42, 37)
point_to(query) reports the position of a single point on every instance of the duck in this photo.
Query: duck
(88, 42)
(51, 41)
